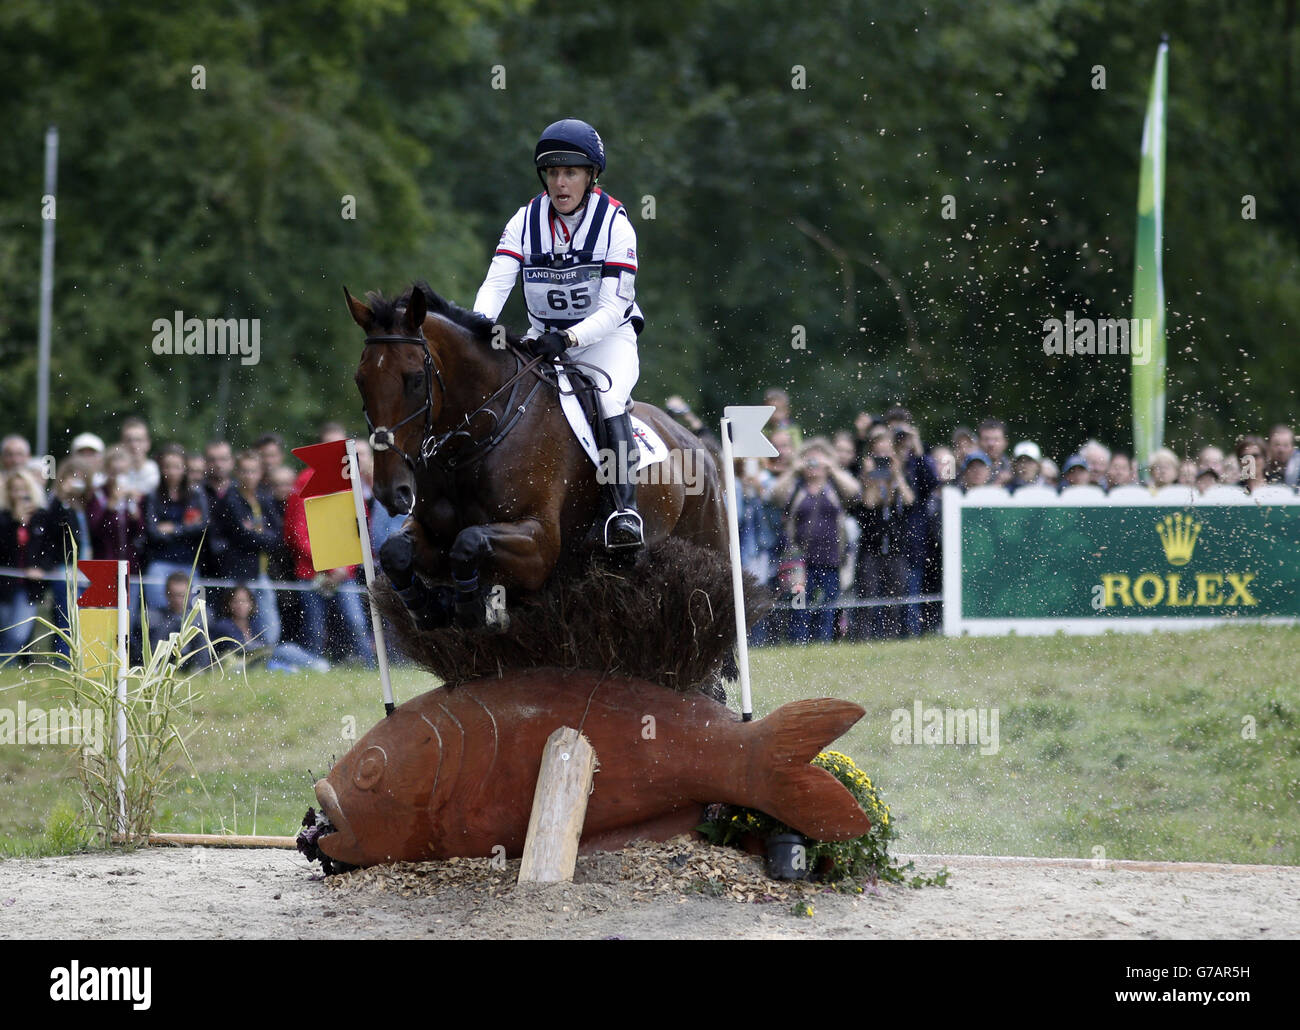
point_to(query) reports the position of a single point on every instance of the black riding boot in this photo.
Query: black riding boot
(623, 529)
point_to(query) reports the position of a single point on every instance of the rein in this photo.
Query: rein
(432, 448)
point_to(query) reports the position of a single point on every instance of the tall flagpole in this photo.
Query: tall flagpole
(742, 436)
(737, 583)
(1148, 275)
(47, 291)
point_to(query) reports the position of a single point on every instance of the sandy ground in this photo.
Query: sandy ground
(239, 894)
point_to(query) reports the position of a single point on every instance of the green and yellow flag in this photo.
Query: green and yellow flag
(1148, 345)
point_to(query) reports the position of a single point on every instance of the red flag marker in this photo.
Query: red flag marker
(102, 591)
(328, 463)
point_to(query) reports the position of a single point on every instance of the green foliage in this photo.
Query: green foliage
(122, 782)
(65, 830)
(863, 859)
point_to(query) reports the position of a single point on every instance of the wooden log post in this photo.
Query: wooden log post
(559, 808)
(216, 840)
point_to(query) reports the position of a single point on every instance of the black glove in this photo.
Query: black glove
(550, 345)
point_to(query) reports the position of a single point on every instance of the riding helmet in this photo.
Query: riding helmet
(570, 141)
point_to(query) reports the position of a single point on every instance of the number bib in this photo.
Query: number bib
(561, 296)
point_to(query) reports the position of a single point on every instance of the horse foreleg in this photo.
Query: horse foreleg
(518, 554)
(408, 558)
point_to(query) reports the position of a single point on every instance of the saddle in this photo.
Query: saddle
(584, 390)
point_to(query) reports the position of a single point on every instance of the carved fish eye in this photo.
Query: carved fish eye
(374, 760)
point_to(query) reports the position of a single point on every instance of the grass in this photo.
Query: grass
(1131, 744)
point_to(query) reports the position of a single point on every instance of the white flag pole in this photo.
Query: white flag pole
(368, 563)
(742, 435)
(737, 584)
(123, 657)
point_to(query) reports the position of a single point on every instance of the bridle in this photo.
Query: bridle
(381, 437)
(433, 449)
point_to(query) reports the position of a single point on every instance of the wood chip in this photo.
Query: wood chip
(679, 868)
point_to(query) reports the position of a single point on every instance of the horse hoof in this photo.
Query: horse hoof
(396, 558)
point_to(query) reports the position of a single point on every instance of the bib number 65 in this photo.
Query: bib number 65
(576, 299)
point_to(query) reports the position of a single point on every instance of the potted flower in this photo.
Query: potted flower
(792, 856)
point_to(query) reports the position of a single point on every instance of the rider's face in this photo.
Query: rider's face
(567, 185)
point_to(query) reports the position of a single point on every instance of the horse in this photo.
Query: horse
(471, 444)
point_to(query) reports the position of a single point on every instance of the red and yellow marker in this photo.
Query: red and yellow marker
(327, 498)
(102, 634)
(97, 618)
(337, 531)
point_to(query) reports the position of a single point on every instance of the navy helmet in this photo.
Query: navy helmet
(570, 141)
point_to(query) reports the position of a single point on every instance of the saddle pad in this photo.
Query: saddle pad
(650, 446)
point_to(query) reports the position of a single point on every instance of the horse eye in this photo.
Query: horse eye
(413, 381)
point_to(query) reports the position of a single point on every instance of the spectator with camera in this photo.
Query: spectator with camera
(880, 570)
(815, 491)
(919, 475)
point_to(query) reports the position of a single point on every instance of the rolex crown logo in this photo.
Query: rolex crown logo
(1178, 534)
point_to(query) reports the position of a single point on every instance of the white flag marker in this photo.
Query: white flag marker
(742, 437)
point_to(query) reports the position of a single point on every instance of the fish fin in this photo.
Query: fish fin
(807, 797)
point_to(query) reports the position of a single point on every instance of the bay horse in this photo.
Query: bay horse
(471, 443)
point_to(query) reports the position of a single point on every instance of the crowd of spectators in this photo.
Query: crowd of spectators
(180, 518)
(844, 530)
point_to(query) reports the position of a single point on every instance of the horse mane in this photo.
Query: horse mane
(388, 313)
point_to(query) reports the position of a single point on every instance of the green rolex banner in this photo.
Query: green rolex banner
(1148, 277)
(1094, 565)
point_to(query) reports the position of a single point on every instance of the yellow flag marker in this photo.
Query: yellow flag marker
(331, 513)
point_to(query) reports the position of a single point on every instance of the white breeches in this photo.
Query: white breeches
(615, 355)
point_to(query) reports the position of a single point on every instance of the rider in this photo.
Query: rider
(577, 251)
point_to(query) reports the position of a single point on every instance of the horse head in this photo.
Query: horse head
(400, 391)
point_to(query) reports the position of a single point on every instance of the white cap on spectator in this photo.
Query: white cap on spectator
(1028, 449)
(87, 441)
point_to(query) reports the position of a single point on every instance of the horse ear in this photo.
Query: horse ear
(416, 309)
(361, 314)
